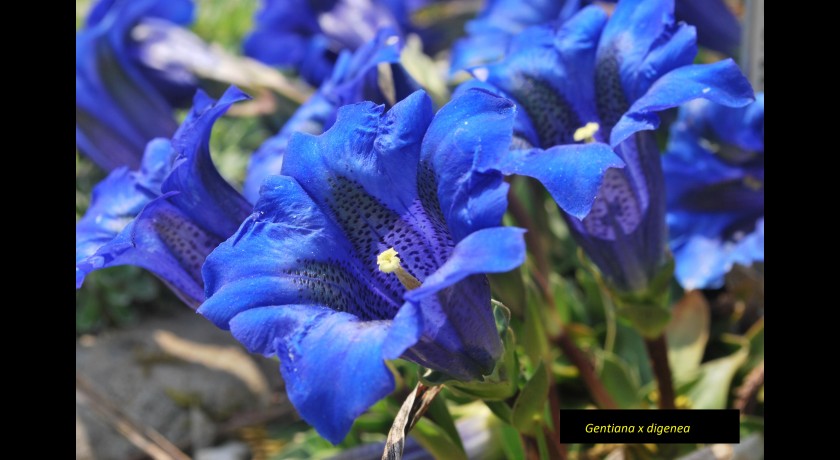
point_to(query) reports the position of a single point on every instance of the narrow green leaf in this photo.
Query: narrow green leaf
(512, 443)
(500, 409)
(534, 339)
(528, 408)
(438, 412)
(434, 439)
(756, 338)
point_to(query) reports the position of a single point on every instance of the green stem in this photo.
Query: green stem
(658, 352)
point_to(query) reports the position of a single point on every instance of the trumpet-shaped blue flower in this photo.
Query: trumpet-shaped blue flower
(309, 35)
(714, 177)
(124, 96)
(490, 34)
(601, 80)
(167, 216)
(325, 272)
(355, 78)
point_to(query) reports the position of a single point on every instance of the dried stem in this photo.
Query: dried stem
(745, 401)
(145, 438)
(658, 352)
(587, 372)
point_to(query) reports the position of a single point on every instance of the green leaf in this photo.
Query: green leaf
(438, 412)
(528, 408)
(630, 347)
(569, 305)
(647, 310)
(621, 383)
(423, 69)
(434, 439)
(709, 387)
(649, 319)
(751, 424)
(500, 409)
(755, 335)
(688, 334)
(534, 339)
(512, 443)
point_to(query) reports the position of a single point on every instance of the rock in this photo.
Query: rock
(229, 451)
(178, 375)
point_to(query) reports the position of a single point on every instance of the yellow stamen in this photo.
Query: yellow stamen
(388, 262)
(586, 133)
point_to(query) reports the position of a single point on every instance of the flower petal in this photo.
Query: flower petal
(364, 173)
(489, 34)
(332, 362)
(295, 254)
(635, 27)
(118, 109)
(282, 29)
(572, 174)
(116, 201)
(465, 135)
(194, 209)
(354, 79)
(721, 82)
(491, 250)
(205, 196)
(549, 74)
(702, 262)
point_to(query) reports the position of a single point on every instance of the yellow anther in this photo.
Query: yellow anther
(587, 132)
(388, 262)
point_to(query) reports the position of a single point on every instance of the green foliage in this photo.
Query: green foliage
(528, 408)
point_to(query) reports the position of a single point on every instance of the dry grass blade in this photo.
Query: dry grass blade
(147, 439)
(413, 408)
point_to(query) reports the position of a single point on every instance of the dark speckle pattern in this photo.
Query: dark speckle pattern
(187, 242)
(615, 208)
(334, 284)
(419, 235)
(551, 114)
(610, 97)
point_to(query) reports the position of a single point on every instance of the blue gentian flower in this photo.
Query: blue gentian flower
(717, 27)
(355, 78)
(490, 33)
(122, 99)
(309, 35)
(167, 216)
(601, 80)
(714, 177)
(325, 272)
